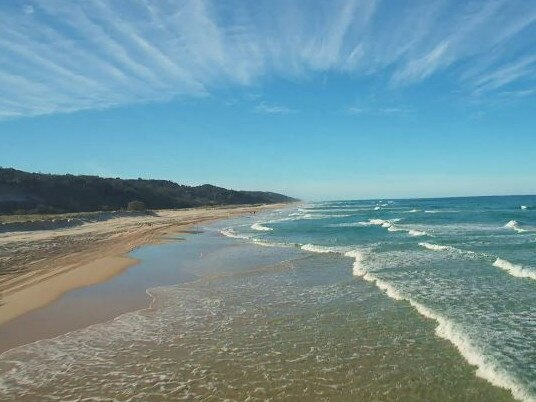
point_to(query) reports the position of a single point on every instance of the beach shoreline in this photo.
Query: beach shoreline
(48, 264)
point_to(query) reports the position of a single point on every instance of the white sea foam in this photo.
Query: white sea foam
(360, 270)
(338, 210)
(346, 225)
(323, 249)
(316, 249)
(231, 233)
(391, 227)
(310, 216)
(487, 367)
(376, 221)
(357, 255)
(417, 233)
(524, 207)
(514, 225)
(435, 247)
(260, 227)
(377, 208)
(435, 211)
(410, 212)
(271, 244)
(514, 269)
(439, 247)
(382, 222)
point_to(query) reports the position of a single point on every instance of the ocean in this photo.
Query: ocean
(387, 300)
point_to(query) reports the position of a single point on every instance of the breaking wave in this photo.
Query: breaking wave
(391, 227)
(514, 225)
(323, 249)
(417, 233)
(346, 225)
(260, 227)
(229, 232)
(487, 367)
(436, 247)
(514, 269)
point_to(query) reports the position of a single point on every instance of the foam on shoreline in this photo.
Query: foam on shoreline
(260, 227)
(322, 249)
(487, 367)
(229, 232)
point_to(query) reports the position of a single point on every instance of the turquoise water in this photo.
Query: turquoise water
(388, 300)
(468, 263)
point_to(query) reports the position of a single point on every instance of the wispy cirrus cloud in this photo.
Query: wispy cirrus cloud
(506, 74)
(422, 67)
(273, 109)
(28, 9)
(355, 110)
(58, 56)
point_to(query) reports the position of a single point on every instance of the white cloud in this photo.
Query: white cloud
(97, 53)
(355, 110)
(519, 93)
(506, 74)
(28, 9)
(422, 67)
(273, 109)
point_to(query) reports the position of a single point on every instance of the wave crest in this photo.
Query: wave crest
(487, 367)
(435, 247)
(229, 232)
(260, 227)
(514, 225)
(514, 269)
(357, 255)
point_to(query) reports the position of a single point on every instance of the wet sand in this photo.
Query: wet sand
(43, 266)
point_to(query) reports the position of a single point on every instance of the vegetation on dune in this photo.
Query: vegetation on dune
(23, 192)
(136, 206)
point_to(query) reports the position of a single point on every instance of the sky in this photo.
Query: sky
(340, 99)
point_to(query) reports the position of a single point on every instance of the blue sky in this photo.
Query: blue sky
(317, 99)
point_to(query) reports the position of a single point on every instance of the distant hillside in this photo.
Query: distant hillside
(23, 192)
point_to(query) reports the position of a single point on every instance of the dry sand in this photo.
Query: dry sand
(38, 267)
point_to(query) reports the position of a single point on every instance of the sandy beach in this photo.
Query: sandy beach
(38, 267)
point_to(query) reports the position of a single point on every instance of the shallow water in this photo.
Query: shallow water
(362, 312)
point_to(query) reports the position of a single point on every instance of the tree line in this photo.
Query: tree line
(24, 192)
